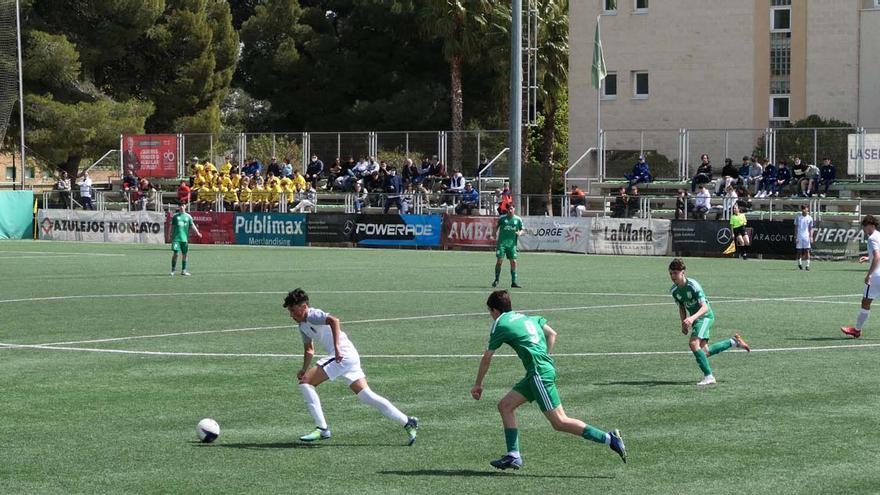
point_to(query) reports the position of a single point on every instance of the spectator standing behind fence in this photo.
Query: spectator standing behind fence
(620, 208)
(360, 197)
(682, 205)
(827, 175)
(470, 200)
(393, 189)
(729, 176)
(768, 179)
(407, 199)
(640, 173)
(577, 201)
(314, 171)
(634, 202)
(704, 173)
(702, 203)
(85, 191)
(506, 199)
(184, 193)
(62, 185)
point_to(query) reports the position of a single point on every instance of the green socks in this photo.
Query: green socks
(497, 272)
(513, 276)
(173, 264)
(511, 436)
(720, 346)
(183, 265)
(594, 434)
(703, 361)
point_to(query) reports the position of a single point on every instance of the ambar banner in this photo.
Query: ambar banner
(330, 227)
(16, 214)
(397, 230)
(555, 234)
(270, 229)
(630, 236)
(215, 227)
(470, 231)
(102, 226)
(153, 155)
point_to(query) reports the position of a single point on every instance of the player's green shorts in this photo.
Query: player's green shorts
(702, 327)
(506, 250)
(180, 246)
(541, 388)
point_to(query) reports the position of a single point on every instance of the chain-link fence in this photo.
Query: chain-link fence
(661, 149)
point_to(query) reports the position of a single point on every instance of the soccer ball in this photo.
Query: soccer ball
(208, 430)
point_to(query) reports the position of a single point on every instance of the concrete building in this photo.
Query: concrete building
(709, 65)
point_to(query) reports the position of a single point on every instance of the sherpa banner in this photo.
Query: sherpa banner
(837, 241)
(555, 234)
(630, 236)
(102, 226)
(270, 229)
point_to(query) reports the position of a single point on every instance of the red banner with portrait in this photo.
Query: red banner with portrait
(152, 155)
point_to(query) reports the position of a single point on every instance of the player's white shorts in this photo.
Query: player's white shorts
(803, 243)
(872, 290)
(349, 369)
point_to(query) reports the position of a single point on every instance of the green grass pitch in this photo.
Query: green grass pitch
(800, 417)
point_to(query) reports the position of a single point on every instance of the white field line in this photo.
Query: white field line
(71, 253)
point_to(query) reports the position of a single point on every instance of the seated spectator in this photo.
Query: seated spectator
(253, 168)
(436, 175)
(184, 193)
(230, 197)
(702, 203)
(287, 168)
(768, 180)
(453, 190)
(410, 172)
(245, 198)
(729, 176)
(620, 208)
(314, 171)
(756, 174)
(470, 200)
(743, 198)
(730, 199)
(811, 184)
(798, 176)
(827, 175)
(640, 173)
(425, 169)
(577, 202)
(298, 180)
(305, 200)
(407, 199)
(704, 173)
(783, 178)
(393, 190)
(274, 167)
(743, 172)
(361, 199)
(209, 167)
(371, 177)
(333, 173)
(146, 192)
(634, 201)
(683, 206)
(226, 168)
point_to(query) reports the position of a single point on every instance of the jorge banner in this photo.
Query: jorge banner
(470, 231)
(555, 234)
(630, 236)
(153, 155)
(397, 230)
(330, 227)
(16, 215)
(215, 227)
(102, 226)
(270, 229)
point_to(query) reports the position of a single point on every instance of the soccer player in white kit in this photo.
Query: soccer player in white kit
(342, 361)
(872, 279)
(803, 232)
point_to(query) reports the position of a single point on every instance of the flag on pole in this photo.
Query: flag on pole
(599, 71)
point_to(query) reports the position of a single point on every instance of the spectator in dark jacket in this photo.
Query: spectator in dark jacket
(768, 179)
(783, 178)
(470, 200)
(798, 175)
(729, 176)
(743, 172)
(253, 168)
(827, 174)
(274, 167)
(620, 208)
(393, 190)
(314, 171)
(682, 205)
(634, 201)
(640, 173)
(410, 172)
(704, 173)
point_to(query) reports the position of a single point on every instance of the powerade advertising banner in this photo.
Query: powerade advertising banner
(630, 236)
(555, 234)
(837, 241)
(215, 227)
(16, 214)
(270, 229)
(397, 230)
(102, 226)
(331, 228)
(462, 231)
(152, 155)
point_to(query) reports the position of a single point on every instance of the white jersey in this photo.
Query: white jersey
(804, 224)
(315, 328)
(873, 241)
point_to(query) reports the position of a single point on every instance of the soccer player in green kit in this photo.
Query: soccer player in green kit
(532, 339)
(181, 222)
(697, 318)
(508, 229)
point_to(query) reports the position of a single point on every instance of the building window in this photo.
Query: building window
(10, 173)
(609, 86)
(609, 6)
(641, 6)
(640, 84)
(779, 108)
(780, 20)
(29, 173)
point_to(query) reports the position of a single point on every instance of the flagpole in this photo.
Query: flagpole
(20, 89)
(599, 156)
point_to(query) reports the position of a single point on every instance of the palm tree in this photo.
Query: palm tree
(552, 79)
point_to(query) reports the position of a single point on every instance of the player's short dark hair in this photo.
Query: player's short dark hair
(677, 265)
(869, 220)
(295, 297)
(804, 207)
(499, 300)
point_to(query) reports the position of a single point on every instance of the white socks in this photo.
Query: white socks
(862, 318)
(370, 398)
(608, 439)
(313, 404)
(808, 262)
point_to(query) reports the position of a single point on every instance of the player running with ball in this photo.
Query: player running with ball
(697, 318)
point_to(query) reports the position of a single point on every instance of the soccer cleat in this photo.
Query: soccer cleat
(318, 434)
(172, 273)
(617, 444)
(800, 267)
(851, 331)
(411, 426)
(741, 343)
(807, 268)
(495, 284)
(515, 286)
(185, 273)
(707, 380)
(507, 462)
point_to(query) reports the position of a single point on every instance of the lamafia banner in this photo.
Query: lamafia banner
(555, 234)
(102, 226)
(637, 236)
